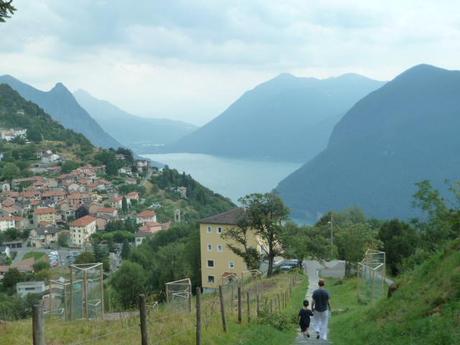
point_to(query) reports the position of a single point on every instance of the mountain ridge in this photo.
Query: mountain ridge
(396, 136)
(62, 106)
(258, 123)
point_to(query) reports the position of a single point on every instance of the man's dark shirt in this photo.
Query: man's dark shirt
(321, 298)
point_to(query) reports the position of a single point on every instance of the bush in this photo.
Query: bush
(280, 321)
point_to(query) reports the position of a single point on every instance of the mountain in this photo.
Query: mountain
(400, 134)
(138, 133)
(62, 106)
(286, 118)
(16, 112)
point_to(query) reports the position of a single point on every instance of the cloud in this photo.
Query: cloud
(190, 59)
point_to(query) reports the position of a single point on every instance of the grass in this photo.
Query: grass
(36, 255)
(171, 328)
(423, 311)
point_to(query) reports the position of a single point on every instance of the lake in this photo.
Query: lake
(229, 177)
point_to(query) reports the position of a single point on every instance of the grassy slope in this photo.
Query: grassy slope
(425, 309)
(164, 328)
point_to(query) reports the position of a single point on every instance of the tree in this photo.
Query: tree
(125, 250)
(10, 171)
(11, 278)
(129, 281)
(352, 243)
(241, 246)
(265, 214)
(301, 242)
(40, 266)
(124, 205)
(85, 258)
(69, 166)
(63, 239)
(34, 135)
(6, 9)
(399, 242)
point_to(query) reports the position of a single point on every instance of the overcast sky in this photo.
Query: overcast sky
(190, 59)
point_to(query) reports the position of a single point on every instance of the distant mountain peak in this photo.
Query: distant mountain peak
(60, 87)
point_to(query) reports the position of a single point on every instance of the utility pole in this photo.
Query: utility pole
(332, 235)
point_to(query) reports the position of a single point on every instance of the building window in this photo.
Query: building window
(211, 279)
(219, 230)
(220, 248)
(209, 229)
(210, 263)
(209, 247)
(231, 264)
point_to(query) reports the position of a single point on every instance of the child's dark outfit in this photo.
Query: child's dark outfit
(304, 319)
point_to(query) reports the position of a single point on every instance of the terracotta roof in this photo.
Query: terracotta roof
(105, 210)
(6, 219)
(83, 221)
(146, 214)
(141, 233)
(52, 193)
(45, 210)
(231, 217)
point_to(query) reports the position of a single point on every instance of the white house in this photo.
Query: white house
(25, 288)
(7, 222)
(81, 230)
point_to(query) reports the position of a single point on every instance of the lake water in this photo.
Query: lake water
(229, 177)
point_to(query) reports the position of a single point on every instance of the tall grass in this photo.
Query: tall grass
(171, 327)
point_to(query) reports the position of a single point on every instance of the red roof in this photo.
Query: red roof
(105, 210)
(83, 221)
(44, 210)
(147, 214)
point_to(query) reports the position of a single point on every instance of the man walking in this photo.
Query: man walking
(321, 307)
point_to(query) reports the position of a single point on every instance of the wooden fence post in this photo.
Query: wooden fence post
(222, 309)
(258, 305)
(271, 306)
(198, 316)
(239, 305)
(38, 326)
(279, 301)
(249, 306)
(143, 319)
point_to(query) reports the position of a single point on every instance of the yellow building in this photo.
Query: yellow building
(217, 259)
(45, 215)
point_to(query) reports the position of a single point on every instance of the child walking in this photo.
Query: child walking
(304, 319)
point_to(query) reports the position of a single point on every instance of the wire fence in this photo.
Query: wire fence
(239, 302)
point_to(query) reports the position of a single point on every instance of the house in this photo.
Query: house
(217, 259)
(5, 187)
(140, 236)
(25, 288)
(10, 134)
(7, 222)
(147, 216)
(151, 227)
(107, 211)
(24, 266)
(77, 199)
(81, 230)
(20, 222)
(45, 215)
(54, 195)
(44, 236)
(182, 192)
(132, 197)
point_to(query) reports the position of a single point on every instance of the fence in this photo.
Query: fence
(371, 276)
(163, 324)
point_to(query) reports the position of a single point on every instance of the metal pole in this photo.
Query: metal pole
(332, 235)
(85, 294)
(71, 294)
(249, 306)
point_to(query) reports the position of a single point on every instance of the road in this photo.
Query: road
(62, 253)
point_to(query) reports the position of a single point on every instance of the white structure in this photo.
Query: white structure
(25, 288)
(10, 134)
(7, 222)
(81, 230)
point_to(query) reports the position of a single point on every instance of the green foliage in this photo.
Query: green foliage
(40, 266)
(69, 166)
(63, 239)
(11, 278)
(86, 258)
(129, 281)
(125, 250)
(108, 158)
(265, 213)
(201, 200)
(10, 171)
(423, 311)
(399, 241)
(301, 242)
(279, 321)
(6, 9)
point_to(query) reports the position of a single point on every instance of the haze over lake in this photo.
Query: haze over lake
(230, 177)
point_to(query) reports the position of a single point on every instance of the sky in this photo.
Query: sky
(190, 59)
